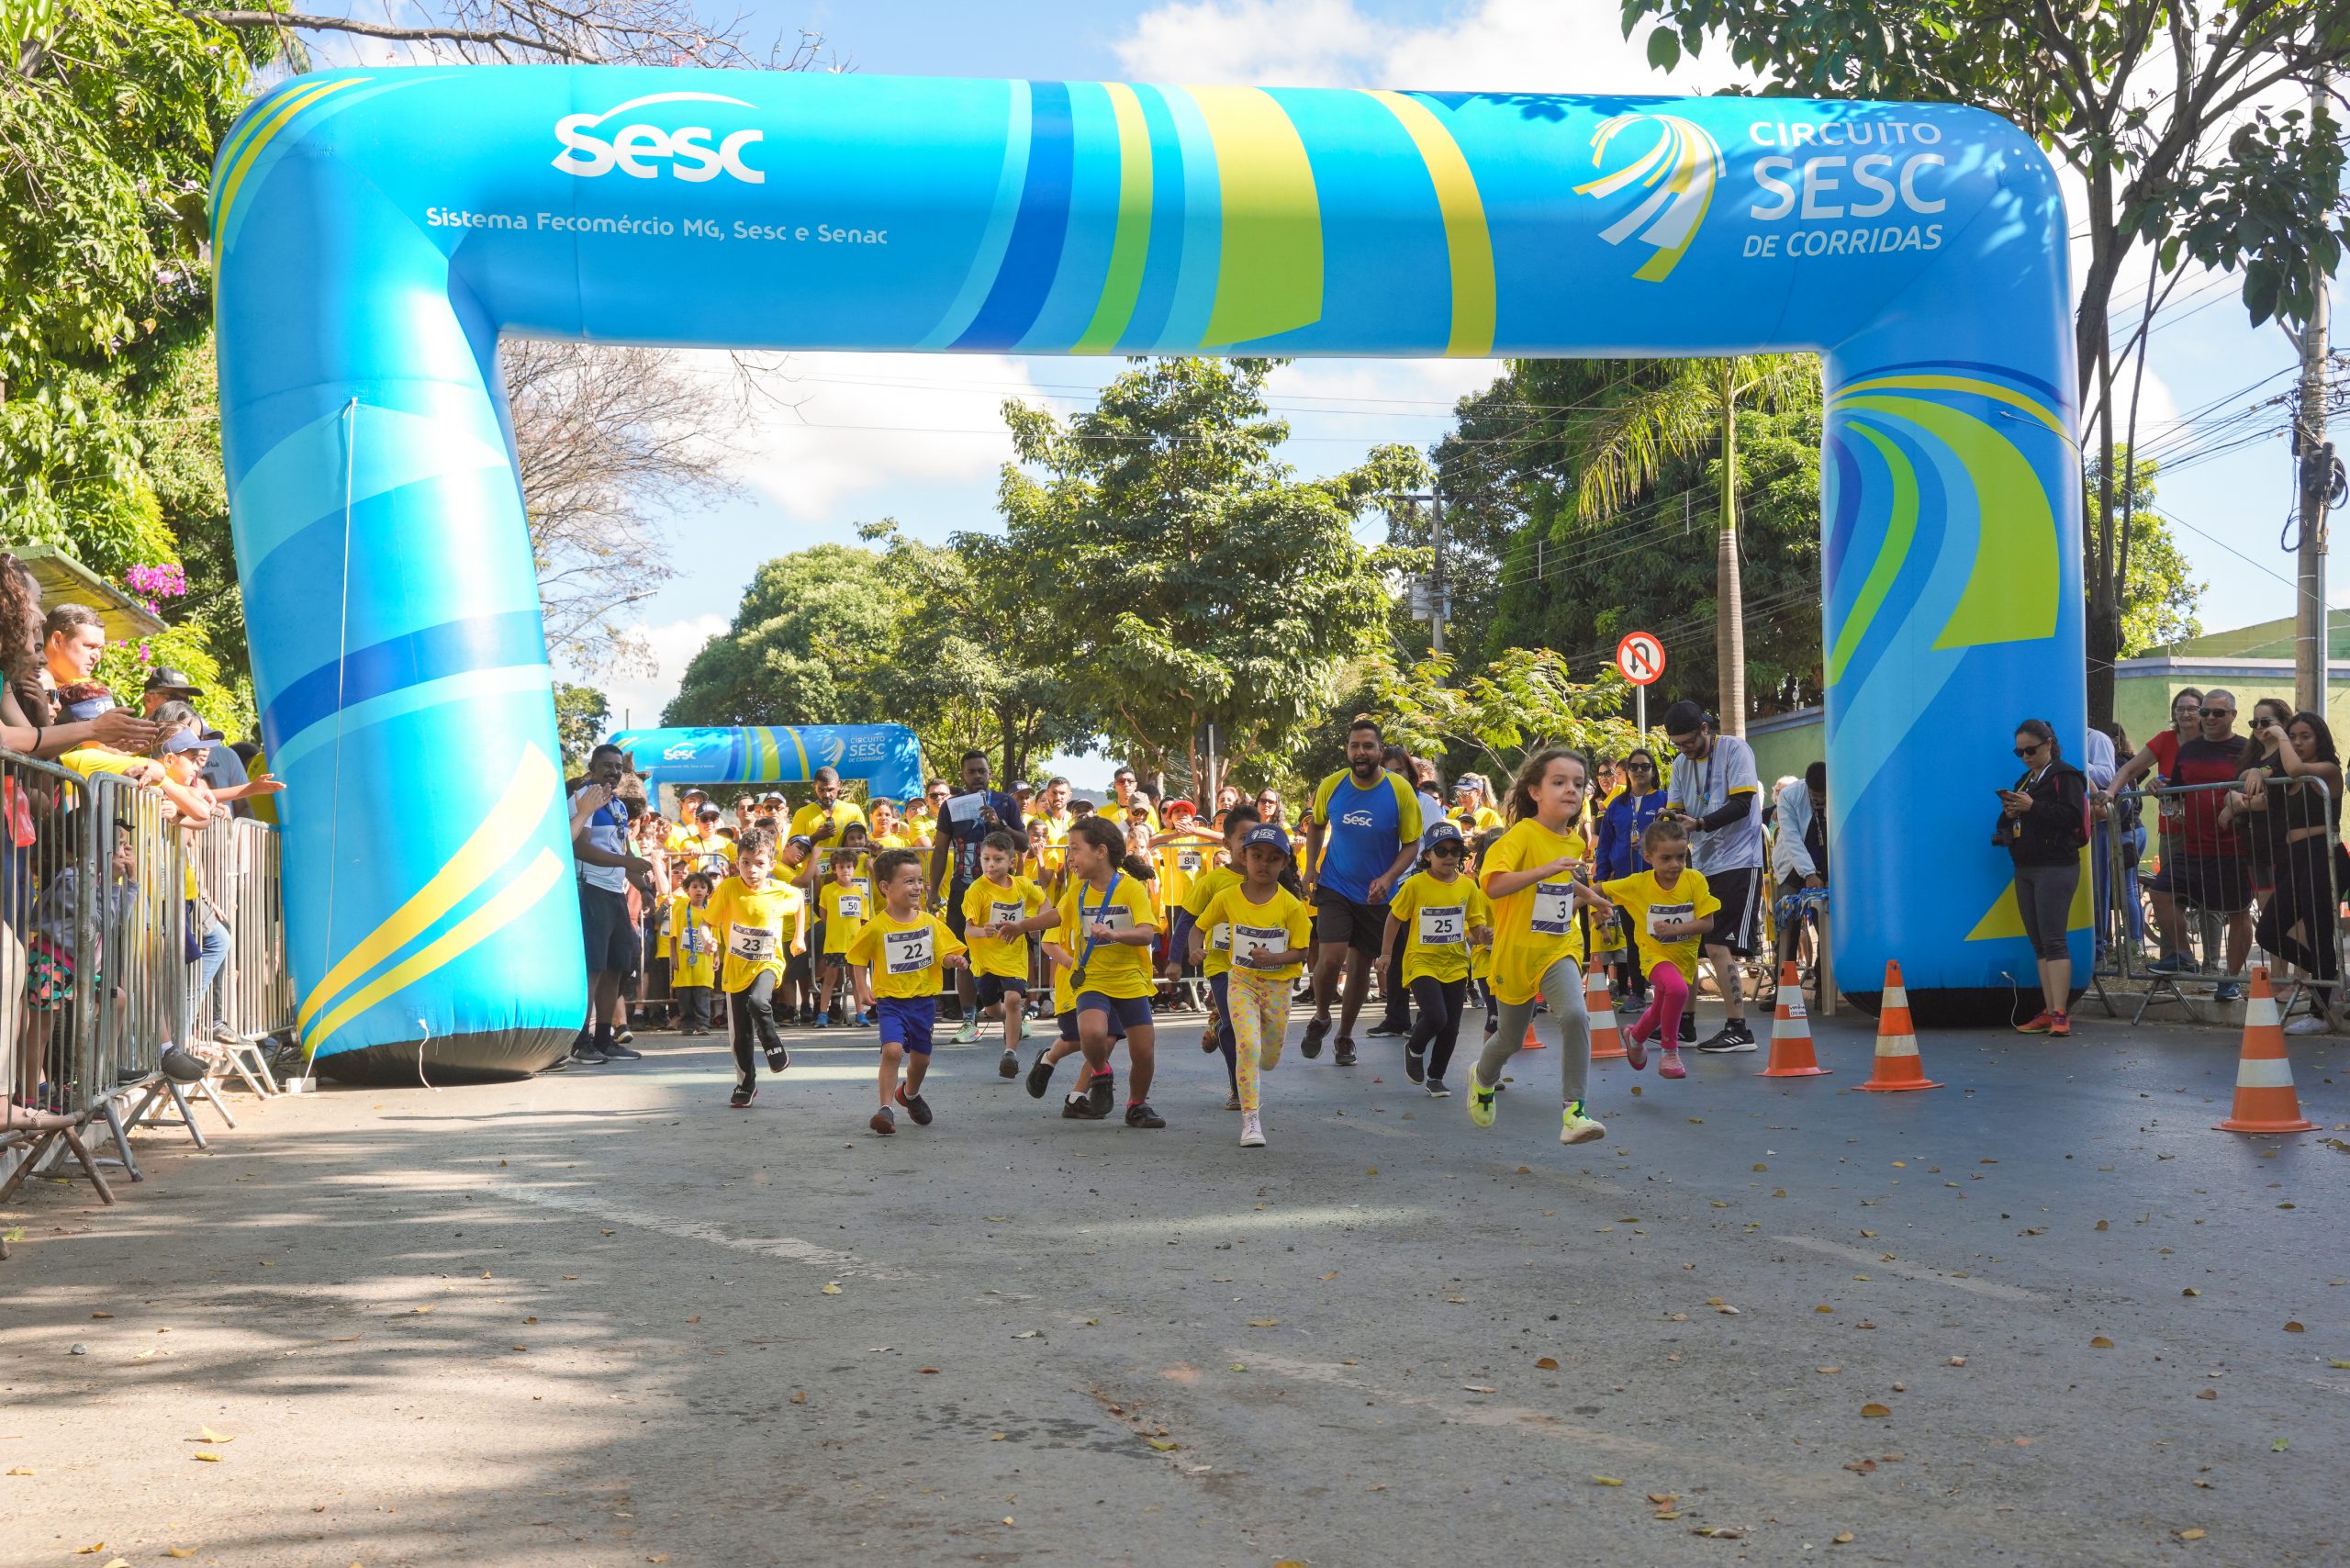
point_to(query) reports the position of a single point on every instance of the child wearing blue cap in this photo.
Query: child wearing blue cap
(1272, 937)
(1439, 914)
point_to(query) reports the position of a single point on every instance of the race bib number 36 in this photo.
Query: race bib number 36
(1249, 940)
(1004, 914)
(1554, 908)
(907, 952)
(752, 944)
(1444, 927)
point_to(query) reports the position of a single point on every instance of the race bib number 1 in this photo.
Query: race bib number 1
(1554, 908)
(1444, 927)
(752, 944)
(907, 952)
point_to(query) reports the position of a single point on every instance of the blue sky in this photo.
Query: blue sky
(918, 438)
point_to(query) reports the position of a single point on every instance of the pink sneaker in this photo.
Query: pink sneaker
(1636, 1050)
(1669, 1066)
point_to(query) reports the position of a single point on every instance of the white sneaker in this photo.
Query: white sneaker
(968, 1032)
(1252, 1132)
(2309, 1024)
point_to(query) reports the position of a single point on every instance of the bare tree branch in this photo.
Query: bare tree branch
(373, 31)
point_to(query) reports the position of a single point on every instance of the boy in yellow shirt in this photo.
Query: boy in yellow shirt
(1440, 915)
(844, 904)
(1272, 937)
(757, 917)
(902, 948)
(693, 952)
(1104, 925)
(993, 908)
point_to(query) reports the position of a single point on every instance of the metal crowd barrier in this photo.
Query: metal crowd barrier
(2259, 904)
(112, 916)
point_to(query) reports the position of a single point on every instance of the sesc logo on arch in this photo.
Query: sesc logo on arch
(644, 148)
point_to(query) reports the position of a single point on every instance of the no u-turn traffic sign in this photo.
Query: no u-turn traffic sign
(1641, 658)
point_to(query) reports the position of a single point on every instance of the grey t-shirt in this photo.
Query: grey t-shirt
(1702, 787)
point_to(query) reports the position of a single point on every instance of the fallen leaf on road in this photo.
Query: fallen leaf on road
(1861, 1466)
(1162, 1444)
(1729, 1311)
(1525, 1170)
(2102, 1226)
(2100, 1343)
(928, 1371)
(1548, 1363)
(1664, 1499)
(1874, 1411)
(1457, 1300)
(1264, 1323)
(1718, 1532)
(690, 1320)
(2207, 1394)
(21, 1470)
(997, 1436)
(102, 1314)
(1958, 1360)
(206, 1456)
(1370, 1169)
(1841, 1537)
(1030, 1334)
(1760, 1166)
(2190, 1535)
(1869, 1234)
(1331, 1275)
(832, 1288)
(999, 1220)
(2278, 1446)
(799, 1396)
(419, 1309)
(178, 1551)
(1478, 1387)
(1241, 1366)
(1607, 1480)
(1828, 1370)
(1823, 1307)
(2293, 1328)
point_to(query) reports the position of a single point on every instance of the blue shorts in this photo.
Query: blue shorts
(991, 988)
(1068, 1021)
(906, 1021)
(1125, 1011)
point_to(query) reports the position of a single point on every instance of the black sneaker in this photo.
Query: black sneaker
(883, 1122)
(1311, 1046)
(1416, 1063)
(1735, 1037)
(779, 1057)
(1040, 1075)
(916, 1106)
(1010, 1065)
(1383, 1030)
(807, 1019)
(588, 1056)
(1140, 1115)
(1346, 1057)
(1689, 1027)
(622, 1038)
(1102, 1094)
(1437, 1090)
(616, 1051)
(1079, 1107)
(744, 1092)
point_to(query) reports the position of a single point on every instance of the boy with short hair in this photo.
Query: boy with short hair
(844, 905)
(902, 948)
(693, 952)
(993, 908)
(751, 912)
(1106, 921)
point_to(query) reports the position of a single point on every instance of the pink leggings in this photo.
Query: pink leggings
(1668, 995)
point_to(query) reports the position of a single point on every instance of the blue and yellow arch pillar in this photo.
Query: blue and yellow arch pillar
(376, 232)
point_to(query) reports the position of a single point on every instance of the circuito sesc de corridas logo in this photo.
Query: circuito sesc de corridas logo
(1678, 169)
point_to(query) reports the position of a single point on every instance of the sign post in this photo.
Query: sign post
(1640, 658)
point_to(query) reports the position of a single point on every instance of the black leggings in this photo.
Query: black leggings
(1437, 1024)
(2301, 902)
(754, 1010)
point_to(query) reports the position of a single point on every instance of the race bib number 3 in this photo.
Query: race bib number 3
(907, 952)
(1660, 914)
(752, 944)
(1249, 940)
(1554, 908)
(1221, 938)
(1444, 927)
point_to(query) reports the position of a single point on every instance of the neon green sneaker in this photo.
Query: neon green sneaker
(1576, 1128)
(1480, 1101)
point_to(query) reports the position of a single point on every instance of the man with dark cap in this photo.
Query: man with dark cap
(224, 770)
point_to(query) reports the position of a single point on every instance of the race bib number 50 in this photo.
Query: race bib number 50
(907, 952)
(1444, 927)
(1554, 908)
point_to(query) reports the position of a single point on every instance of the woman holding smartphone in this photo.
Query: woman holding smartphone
(2043, 823)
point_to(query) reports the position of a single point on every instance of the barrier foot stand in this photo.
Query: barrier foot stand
(23, 1167)
(89, 1166)
(2165, 988)
(205, 1087)
(260, 1058)
(2096, 983)
(236, 1064)
(112, 1111)
(186, 1118)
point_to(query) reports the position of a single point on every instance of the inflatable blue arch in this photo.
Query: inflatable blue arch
(376, 233)
(887, 758)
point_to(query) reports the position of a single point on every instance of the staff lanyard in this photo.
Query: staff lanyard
(1100, 909)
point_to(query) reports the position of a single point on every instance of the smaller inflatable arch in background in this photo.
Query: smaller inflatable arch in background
(886, 758)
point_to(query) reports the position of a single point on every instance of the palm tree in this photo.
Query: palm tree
(1681, 413)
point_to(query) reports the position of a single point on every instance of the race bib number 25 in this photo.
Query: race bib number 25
(1444, 927)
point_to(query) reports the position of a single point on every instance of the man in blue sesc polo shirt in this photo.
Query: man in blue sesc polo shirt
(1364, 831)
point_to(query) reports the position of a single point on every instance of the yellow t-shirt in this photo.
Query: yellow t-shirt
(1485, 819)
(88, 759)
(1281, 921)
(846, 908)
(1535, 926)
(693, 943)
(1180, 862)
(1119, 970)
(987, 905)
(843, 812)
(1436, 917)
(755, 928)
(904, 954)
(1218, 959)
(1645, 901)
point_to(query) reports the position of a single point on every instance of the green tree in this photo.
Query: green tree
(1185, 576)
(812, 642)
(582, 717)
(2159, 593)
(2159, 106)
(1522, 702)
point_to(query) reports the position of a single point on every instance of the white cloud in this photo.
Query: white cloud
(638, 696)
(1484, 45)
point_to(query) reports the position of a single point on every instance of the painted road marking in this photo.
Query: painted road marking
(843, 1264)
(1911, 1271)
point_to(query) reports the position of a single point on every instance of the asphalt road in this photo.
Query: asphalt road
(600, 1318)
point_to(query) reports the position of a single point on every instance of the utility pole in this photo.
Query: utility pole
(2316, 454)
(1439, 601)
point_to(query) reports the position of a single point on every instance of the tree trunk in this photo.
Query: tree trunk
(1730, 610)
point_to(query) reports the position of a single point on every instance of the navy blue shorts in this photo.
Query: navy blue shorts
(1068, 1021)
(991, 988)
(906, 1021)
(1125, 1011)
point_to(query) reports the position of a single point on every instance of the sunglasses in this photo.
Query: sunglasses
(1452, 849)
(2028, 751)
(1640, 768)
(2217, 712)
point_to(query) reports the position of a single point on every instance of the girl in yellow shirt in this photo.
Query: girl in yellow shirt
(1272, 937)
(1531, 874)
(693, 953)
(1674, 909)
(1439, 914)
(846, 905)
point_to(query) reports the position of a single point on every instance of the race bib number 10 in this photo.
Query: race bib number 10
(1660, 914)
(907, 952)
(1446, 928)
(1554, 908)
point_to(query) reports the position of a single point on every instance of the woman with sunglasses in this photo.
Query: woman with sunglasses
(2043, 823)
(1619, 855)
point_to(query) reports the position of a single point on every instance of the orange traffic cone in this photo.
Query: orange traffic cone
(1791, 1052)
(1898, 1066)
(1606, 1039)
(2265, 1099)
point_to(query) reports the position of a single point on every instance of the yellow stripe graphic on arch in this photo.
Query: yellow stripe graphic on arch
(1467, 241)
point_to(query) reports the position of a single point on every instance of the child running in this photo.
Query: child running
(693, 952)
(1272, 936)
(1106, 922)
(993, 909)
(1210, 947)
(843, 903)
(903, 947)
(1531, 874)
(1439, 914)
(751, 912)
(1674, 909)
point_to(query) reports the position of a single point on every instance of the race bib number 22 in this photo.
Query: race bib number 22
(907, 952)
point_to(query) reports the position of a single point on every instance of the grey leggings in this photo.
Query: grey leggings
(1562, 990)
(2045, 898)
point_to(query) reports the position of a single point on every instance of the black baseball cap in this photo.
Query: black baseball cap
(163, 677)
(1683, 717)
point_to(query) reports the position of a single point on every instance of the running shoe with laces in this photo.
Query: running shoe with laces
(1252, 1132)
(1140, 1115)
(969, 1031)
(1040, 1074)
(1416, 1063)
(1669, 1065)
(744, 1092)
(883, 1122)
(1027, 1027)
(588, 1056)
(1311, 1045)
(1079, 1108)
(619, 1051)
(2060, 1026)
(2309, 1024)
(916, 1106)
(821, 1021)
(1346, 1052)
(2227, 990)
(1010, 1065)
(2037, 1025)
(1734, 1036)
(1383, 1030)
(1481, 1101)
(1102, 1094)
(1576, 1128)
